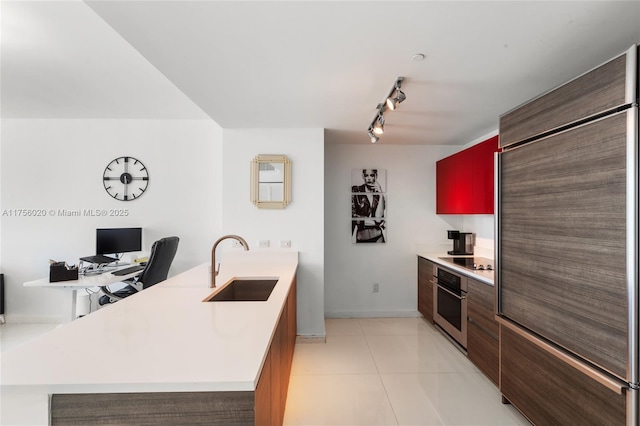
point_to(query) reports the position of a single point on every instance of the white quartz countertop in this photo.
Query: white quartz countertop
(162, 339)
(485, 276)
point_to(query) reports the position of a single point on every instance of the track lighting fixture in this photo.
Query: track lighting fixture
(377, 125)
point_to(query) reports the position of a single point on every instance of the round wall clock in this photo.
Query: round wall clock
(125, 178)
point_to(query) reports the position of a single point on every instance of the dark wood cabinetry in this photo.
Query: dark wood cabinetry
(425, 288)
(482, 329)
(271, 391)
(551, 392)
(464, 181)
(567, 227)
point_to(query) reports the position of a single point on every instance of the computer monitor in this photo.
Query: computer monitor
(118, 240)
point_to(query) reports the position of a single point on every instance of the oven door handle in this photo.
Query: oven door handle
(451, 293)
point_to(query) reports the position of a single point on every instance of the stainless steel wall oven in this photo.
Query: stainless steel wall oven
(450, 299)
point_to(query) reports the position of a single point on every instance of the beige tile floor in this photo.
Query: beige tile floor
(378, 371)
(390, 371)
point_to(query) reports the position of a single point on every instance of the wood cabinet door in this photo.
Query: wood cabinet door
(562, 237)
(481, 305)
(279, 371)
(551, 392)
(483, 349)
(599, 90)
(425, 288)
(263, 399)
(482, 328)
(292, 320)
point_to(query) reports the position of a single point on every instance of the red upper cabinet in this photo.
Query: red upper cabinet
(464, 181)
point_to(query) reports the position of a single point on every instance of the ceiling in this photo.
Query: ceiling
(302, 64)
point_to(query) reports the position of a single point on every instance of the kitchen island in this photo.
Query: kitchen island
(164, 356)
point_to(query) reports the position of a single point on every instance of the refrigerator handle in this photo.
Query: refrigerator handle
(496, 226)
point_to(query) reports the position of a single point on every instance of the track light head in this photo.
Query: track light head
(372, 136)
(399, 98)
(391, 103)
(378, 126)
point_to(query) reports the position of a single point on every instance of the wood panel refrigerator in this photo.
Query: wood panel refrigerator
(567, 250)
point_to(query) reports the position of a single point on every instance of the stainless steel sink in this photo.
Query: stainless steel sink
(247, 289)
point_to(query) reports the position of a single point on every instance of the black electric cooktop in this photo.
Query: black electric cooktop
(472, 263)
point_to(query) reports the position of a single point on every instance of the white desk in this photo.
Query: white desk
(83, 281)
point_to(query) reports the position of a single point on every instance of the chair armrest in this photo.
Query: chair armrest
(108, 292)
(133, 282)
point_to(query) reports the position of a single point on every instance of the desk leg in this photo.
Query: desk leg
(74, 297)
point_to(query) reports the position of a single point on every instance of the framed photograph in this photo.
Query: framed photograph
(368, 180)
(368, 205)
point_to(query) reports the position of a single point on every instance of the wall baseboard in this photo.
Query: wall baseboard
(373, 314)
(311, 338)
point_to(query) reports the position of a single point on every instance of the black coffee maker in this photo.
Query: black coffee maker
(462, 242)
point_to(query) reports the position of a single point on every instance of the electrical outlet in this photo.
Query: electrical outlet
(376, 287)
(263, 243)
(285, 243)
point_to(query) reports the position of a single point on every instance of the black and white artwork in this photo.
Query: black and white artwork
(368, 206)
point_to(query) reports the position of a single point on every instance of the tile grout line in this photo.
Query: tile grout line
(442, 422)
(386, 392)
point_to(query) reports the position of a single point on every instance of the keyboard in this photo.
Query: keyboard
(99, 259)
(128, 270)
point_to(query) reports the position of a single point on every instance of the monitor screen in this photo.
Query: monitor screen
(118, 240)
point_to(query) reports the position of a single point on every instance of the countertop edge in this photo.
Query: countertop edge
(478, 276)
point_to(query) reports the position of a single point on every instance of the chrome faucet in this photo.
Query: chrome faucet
(214, 271)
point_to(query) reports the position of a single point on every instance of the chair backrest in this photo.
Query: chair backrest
(162, 253)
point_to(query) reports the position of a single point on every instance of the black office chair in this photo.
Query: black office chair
(162, 253)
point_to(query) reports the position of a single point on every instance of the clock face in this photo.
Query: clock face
(125, 178)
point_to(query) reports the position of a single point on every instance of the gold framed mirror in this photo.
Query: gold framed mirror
(271, 181)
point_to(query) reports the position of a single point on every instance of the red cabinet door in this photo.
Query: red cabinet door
(453, 176)
(464, 181)
(482, 183)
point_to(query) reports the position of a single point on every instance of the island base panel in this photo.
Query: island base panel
(153, 409)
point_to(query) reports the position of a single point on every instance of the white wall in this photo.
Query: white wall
(301, 222)
(58, 164)
(351, 269)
